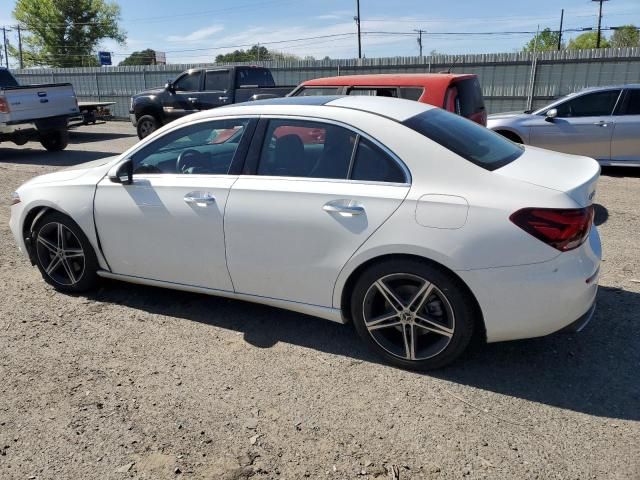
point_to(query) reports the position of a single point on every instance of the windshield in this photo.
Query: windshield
(7, 80)
(471, 141)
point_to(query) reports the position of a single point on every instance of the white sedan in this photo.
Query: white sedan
(419, 226)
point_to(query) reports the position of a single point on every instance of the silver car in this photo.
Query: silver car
(601, 122)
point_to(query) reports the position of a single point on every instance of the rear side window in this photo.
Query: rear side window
(374, 165)
(7, 80)
(470, 99)
(254, 77)
(411, 93)
(471, 141)
(631, 104)
(374, 91)
(317, 91)
(216, 81)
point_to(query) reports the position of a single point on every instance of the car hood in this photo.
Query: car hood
(508, 116)
(98, 167)
(149, 93)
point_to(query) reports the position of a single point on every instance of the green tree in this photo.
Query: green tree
(253, 54)
(587, 40)
(144, 57)
(66, 33)
(544, 40)
(626, 36)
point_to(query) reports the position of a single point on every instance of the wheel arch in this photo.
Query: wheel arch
(510, 134)
(354, 275)
(149, 109)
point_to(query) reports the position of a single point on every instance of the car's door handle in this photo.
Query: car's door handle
(199, 198)
(192, 99)
(335, 207)
(601, 123)
(224, 99)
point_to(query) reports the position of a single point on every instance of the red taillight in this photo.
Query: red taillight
(4, 106)
(562, 228)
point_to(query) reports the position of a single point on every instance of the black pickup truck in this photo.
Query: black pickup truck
(201, 89)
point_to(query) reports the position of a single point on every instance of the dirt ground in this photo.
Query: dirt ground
(136, 382)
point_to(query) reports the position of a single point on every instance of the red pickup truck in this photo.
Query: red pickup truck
(458, 93)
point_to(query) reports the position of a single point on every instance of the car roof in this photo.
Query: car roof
(389, 79)
(394, 108)
(609, 87)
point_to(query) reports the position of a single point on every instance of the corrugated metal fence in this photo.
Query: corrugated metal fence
(510, 81)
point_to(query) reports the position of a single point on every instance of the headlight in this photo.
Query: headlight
(15, 198)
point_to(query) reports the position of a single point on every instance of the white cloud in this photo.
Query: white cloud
(197, 35)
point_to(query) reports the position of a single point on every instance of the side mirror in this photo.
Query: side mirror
(551, 114)
(123, 173)
(169, 86)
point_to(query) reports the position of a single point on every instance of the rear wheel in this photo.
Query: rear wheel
(63, 254)
(147, 124)
(55, 141)
(413, 314)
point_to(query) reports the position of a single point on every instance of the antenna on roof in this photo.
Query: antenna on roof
(450, 67)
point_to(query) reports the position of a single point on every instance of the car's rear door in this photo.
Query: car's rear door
(216, 91)
(625, 143)
(583, 126)
(168, 224)
(305, 206)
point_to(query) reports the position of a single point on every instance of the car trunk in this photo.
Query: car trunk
(574, 175)
(40, 101)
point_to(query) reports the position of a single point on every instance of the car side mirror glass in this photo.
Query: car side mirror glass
(170, 87)
(551, 114)
(123, 174)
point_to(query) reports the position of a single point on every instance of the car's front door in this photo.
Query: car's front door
(583, 125)
(625, 144)
(184, 97)
(306, 205)
(168, 224)
(215, 92)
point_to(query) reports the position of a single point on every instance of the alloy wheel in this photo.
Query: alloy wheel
(408, 316)
(146, 128)
(60, 253)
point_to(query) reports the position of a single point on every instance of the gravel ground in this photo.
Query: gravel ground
(135, 382)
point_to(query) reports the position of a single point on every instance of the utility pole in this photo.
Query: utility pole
(357, 19)
(560, 31)
(20, 46)
(6, 55)
(420, 39)
(599, 21)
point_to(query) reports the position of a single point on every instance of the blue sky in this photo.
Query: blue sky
(198, 30)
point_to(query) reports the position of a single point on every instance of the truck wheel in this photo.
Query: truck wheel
(147, 124)
(55, 141)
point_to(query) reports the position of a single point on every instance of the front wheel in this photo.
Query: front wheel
(147, 124)
(413, 314)
(55, 141)
(64, 254)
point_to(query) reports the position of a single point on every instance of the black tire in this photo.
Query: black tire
(442, 326)
(55, 141)
(83, 268)
(147, 124)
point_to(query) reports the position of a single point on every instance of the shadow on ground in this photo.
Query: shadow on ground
(633, 172)
(593, 372)
(65, 158)
(80, 136)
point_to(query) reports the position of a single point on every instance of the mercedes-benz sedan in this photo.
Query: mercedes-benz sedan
(419, 226)
(601, 122)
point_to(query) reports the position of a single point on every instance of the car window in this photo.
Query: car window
(254, 77)
(411, 93)
(296, 148)
(317, 91)
(373, 164)
(216, 81)
(188, 83)
(470, 99)
(7, 80)
(204, 148)
(374, 92)
(471, 141)
(631, 104)
(589, 105)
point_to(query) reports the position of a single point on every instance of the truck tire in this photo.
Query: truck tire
(147, 124)
(55, 141)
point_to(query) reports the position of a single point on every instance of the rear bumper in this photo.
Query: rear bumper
(581, 322)
(539, 299)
